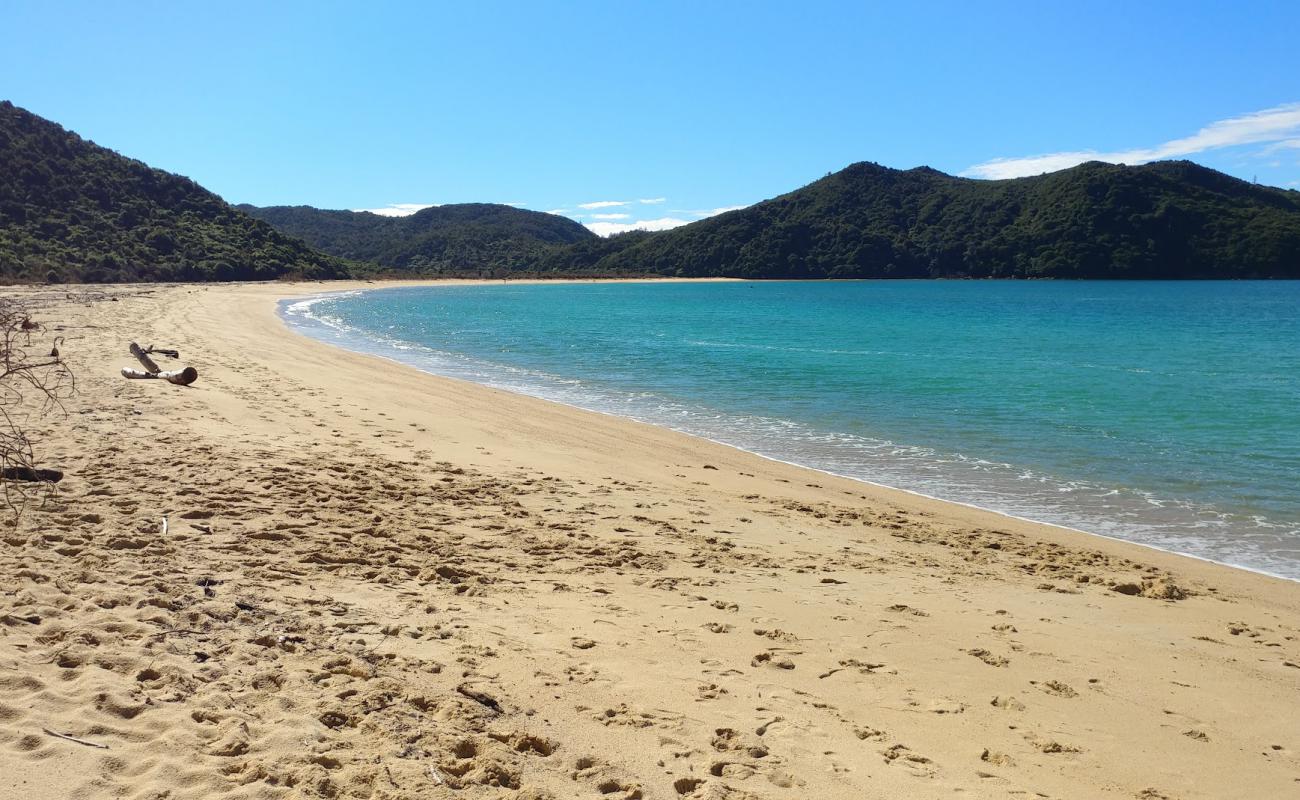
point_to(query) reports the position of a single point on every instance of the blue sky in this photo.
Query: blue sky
(696, 106)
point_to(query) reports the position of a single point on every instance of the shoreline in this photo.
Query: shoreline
(380, 583)
(283, 318)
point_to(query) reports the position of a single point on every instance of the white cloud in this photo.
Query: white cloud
(703, 213)
(558, 211)
(660, 224)
(652, 201)
(399, 209)
(603, 204)
(1277, 147)
(516, 205)
(1277, 124)
(713, 212)
(611, 228)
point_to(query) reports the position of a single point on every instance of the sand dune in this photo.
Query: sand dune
(376, 583)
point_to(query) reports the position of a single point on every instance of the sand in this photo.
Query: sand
(376, 583)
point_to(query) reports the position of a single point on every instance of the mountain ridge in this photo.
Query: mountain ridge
(71, 210)
(1170, 219)
(446, 239)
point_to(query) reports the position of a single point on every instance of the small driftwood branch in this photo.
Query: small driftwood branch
(74, 739)
(31, 474)
(161, 634)
(479, 697)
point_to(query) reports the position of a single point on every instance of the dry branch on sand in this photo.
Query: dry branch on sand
(77, 739)
(34, 380)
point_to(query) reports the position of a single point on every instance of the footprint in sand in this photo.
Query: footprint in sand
(597, 773)
(1055, 688)
(776, 635)
(899, 608)
(1051, 746)
(709, 691)
(773, 659)
(992, 659)
(901, 755)
(998, 759)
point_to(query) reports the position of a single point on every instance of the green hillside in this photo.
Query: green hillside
(73, 211)
(466, 237)
(1170, 219)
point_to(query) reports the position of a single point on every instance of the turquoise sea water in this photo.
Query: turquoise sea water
(1161, 413)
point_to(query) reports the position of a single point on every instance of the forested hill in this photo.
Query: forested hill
(442, 239)
(1170, 219)
(72, 210)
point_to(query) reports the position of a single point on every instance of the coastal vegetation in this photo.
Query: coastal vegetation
(71, 210)
(440, 240)
(1171, 219)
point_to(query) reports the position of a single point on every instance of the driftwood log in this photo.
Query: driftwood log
(145, 360)
(30, 474)
(180, 377)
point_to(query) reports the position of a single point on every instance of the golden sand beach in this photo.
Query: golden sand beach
(378, 583)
